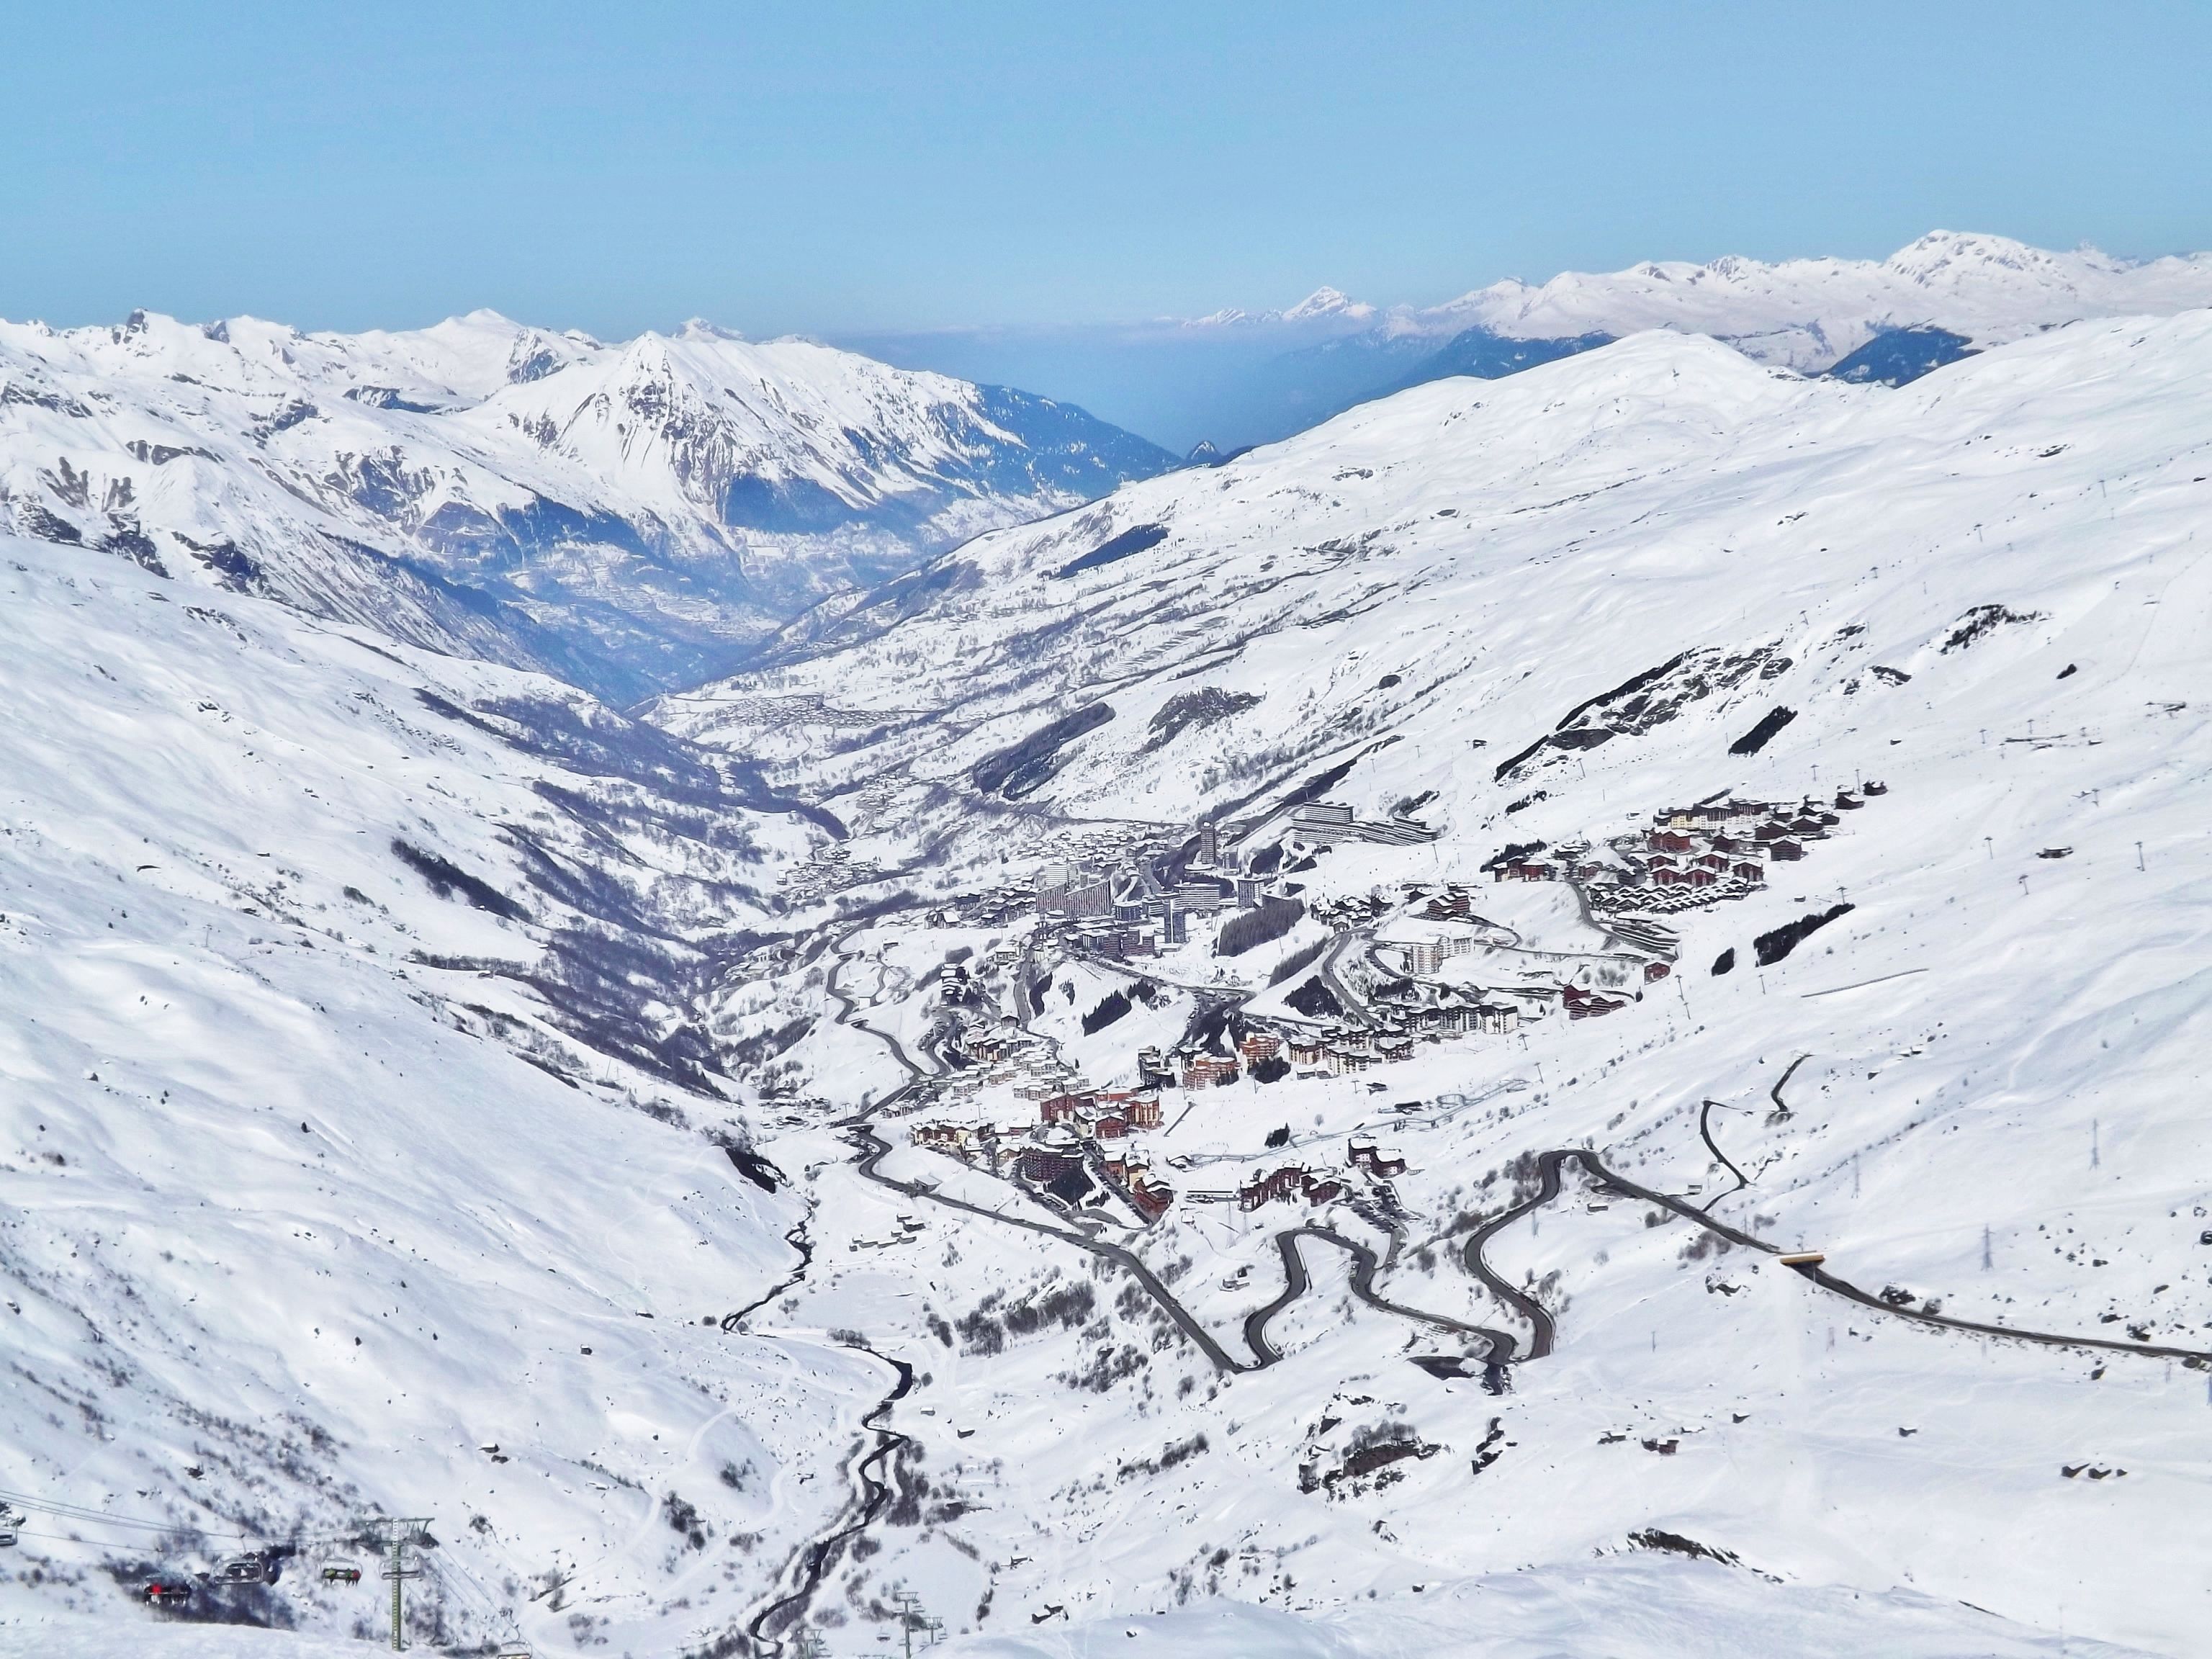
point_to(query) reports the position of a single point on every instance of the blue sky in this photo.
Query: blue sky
(834, 167)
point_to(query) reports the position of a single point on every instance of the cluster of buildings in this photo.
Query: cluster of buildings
(1077, 1150)
(1293, 1182)
(1193, 1067)
(1127, 902)
(1324, 824)
(1403, 1017)
(1687, 856)
(1692, 855)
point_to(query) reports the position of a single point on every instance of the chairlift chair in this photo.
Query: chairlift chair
(337, 1574)
(251, 1568)
(11, 1527)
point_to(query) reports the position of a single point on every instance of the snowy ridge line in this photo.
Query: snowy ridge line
(1806, 313)
(628, 516)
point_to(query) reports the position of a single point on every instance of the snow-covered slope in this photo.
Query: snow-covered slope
(1536, 612)
(1494, 552)
(357, 1152)
(628, 515)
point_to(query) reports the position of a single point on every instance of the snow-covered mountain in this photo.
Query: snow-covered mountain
(1817, 316)
(628, 516)
(1237, 377)
(787, 1051)
(1483, 624)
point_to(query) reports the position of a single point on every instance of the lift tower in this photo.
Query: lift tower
(393, 1534)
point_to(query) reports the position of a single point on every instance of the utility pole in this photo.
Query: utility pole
(393, 1536)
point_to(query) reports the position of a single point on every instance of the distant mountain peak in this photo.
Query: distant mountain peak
(1322, 305)
(698, 328)
(1328, 302)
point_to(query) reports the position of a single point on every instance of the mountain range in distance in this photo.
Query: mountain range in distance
(641, 516)
(628, 517)
(1237, 378)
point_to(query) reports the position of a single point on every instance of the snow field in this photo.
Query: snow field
(292, 1232)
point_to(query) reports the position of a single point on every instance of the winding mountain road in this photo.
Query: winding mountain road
(860, 1133)
(1544, 1330)
(1501, 1347)
(1365, 1265)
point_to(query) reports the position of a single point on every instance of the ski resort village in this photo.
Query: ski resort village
(1418, 965)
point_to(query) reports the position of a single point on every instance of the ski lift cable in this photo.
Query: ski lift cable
(452, 1576)
(76, 1512)
(100, 1517)
(175, 1528)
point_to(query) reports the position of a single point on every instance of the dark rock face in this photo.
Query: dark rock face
(1771, 947)
(1901, 356)
(1763, 733)
(1647, 700)
(1135, 539)
(1024, 768)
(1204, 707)
(1488, 356)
